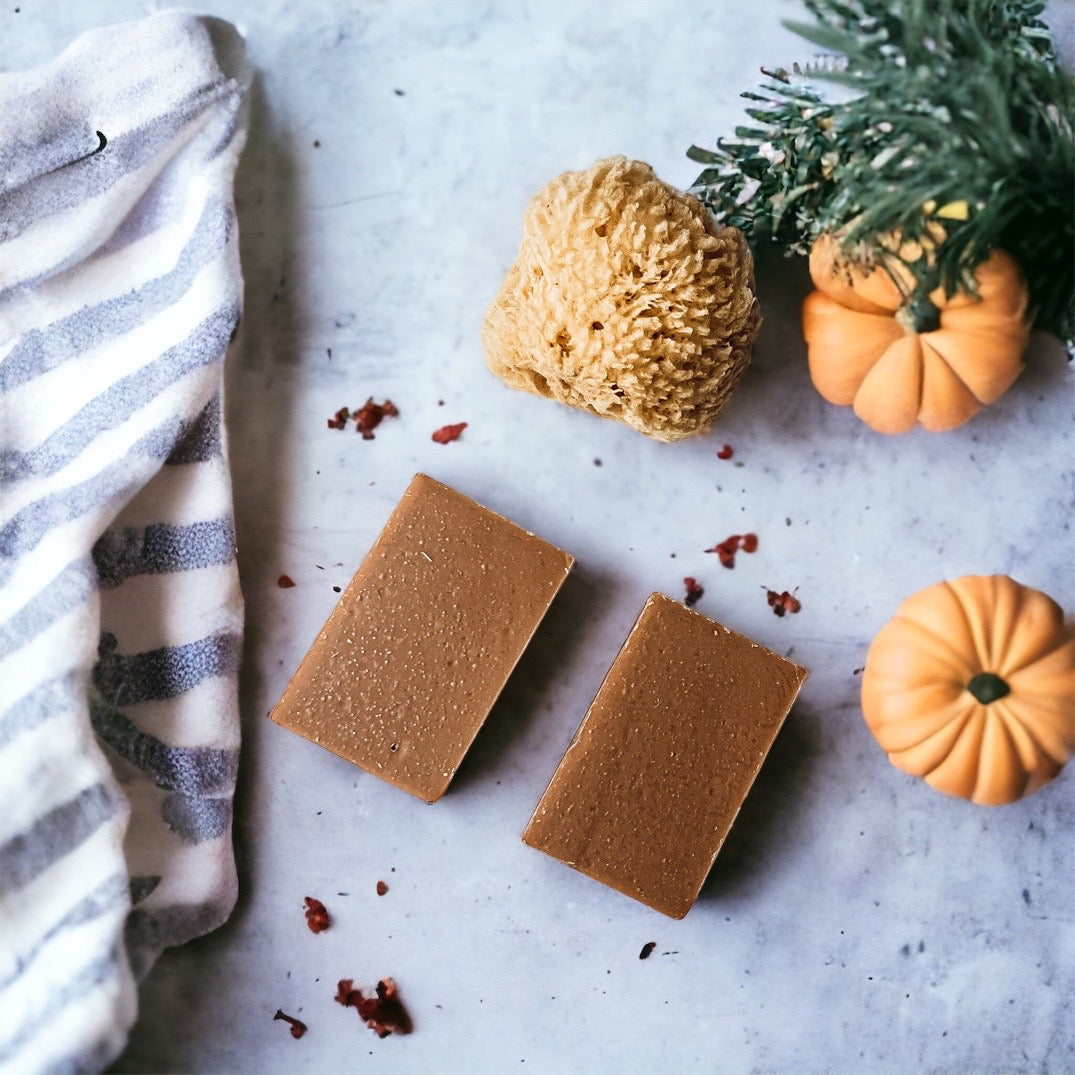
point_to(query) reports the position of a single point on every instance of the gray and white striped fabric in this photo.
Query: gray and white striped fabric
(120, 612)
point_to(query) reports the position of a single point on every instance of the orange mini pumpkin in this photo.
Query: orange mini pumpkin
(971, 686)
(896, 365)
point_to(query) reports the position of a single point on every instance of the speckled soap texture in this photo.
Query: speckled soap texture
(657, 772)
(409, 664)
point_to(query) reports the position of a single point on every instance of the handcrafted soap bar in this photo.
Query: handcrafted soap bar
(662, 761)
(405, 671)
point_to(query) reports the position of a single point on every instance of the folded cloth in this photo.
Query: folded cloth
(120, 611)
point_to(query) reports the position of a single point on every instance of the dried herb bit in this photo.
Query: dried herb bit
(647, 948)
(339, 419)
(298, 1027)
(316, 915)
(783, 602)
(694, 592)
(726, 452)
(952, 104)
(382, 888)
(732, 544)
(383, 1013)
(369, 416)
(285, 582)
(726, 550)
(446, 434)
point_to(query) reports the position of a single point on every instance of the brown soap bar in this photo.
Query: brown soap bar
(422, 641)
(664, 757)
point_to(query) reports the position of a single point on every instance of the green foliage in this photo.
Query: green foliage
(942, 109)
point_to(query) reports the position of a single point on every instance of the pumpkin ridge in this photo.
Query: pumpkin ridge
(1007, 619)
(902, 727)
(1018, 728)
(1032, 681)
(947, 401)
(965, 669)
(827, 339)
(1038, 656)
(939, 742)
(873, 291)
(1055, 737)
(877, 403)
(965, 604)
(835, 288)
(997, 740)
(962, 720)
(929, 340)
(963, 758)
(987, 361)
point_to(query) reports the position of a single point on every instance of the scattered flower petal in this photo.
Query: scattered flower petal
(448, 433)
(784, 602)
(316, 915)
(383, 1013)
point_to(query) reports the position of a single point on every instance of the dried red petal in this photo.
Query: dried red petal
(382, 888)
(383, 1013)
(316, 915)
(298, 1027)
(727, 548)
(285, 582)
(446, 434)
(694, 591)
(368, 417)
(647, 948)
(783, 602)
(726, 452)
(339, 419)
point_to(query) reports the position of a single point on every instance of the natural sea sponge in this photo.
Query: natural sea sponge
(628, 300)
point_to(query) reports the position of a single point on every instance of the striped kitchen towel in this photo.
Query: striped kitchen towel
(120, 612)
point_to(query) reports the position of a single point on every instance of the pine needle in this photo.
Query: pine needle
(951, 112)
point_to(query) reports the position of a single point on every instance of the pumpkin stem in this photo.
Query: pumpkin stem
(920, 315)
(988, 687)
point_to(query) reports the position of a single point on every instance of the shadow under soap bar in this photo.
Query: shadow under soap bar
(408, 666)
(657, 771)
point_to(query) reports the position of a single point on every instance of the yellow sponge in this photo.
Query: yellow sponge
(628, 300)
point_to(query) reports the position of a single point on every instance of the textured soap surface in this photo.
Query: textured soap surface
(665, 756)
(407, 667)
